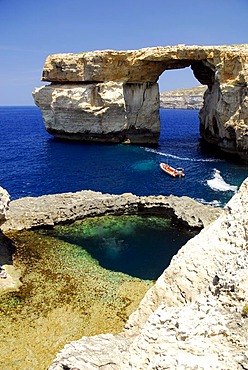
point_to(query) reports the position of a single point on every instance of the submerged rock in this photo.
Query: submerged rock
(193, 316)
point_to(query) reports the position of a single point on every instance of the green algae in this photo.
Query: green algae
(65, 294)
(138, 246)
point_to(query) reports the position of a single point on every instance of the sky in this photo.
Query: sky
(31, 30)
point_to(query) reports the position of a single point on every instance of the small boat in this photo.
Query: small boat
(174, 172)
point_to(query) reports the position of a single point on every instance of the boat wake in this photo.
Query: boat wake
(217, 183)
(181, 158)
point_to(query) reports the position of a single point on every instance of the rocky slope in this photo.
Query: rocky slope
(113, 95)
(191, 98)
(193, 317)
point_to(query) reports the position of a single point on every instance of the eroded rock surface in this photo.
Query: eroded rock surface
(103, 112)
(112, 95)
(192, 317)
(4, 204)
(49, 210)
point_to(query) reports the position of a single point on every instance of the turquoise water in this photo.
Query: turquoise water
(33, 163)
(138, 246)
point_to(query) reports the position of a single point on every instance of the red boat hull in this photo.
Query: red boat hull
(172, 171)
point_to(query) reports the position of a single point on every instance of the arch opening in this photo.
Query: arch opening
(126, 108)
(181, 89)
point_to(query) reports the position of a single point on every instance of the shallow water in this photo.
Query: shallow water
(138, 246)
(66, 281)
(65, 295)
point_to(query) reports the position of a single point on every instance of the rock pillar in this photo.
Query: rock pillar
(104, 112)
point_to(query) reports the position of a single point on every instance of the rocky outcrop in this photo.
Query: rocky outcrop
(103, 112)
(193, 317)
(191, 98)
(4, 204)
(113, 95)
(49, 210)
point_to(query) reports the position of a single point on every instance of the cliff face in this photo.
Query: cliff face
(4, 204)
(193, 317)
(104, 112)
(191, 98)
(113, 96)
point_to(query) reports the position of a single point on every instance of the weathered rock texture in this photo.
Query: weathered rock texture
(113, 95)
(49, 210)
(192, 317)
(106, 111)
(4, 204)
(191, 98)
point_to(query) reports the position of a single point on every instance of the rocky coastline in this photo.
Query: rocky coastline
(49, 210)
(194, 314)
(35, 267)
(113, 96)
(191, 98)
(58, 209)
(193, 317)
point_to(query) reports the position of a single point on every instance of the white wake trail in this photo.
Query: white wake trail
(181, 158)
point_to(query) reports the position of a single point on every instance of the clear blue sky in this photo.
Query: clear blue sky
(32, 29)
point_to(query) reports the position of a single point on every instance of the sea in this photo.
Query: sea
(33, 163)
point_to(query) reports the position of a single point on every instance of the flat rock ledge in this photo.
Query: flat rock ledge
(193, 317)
(50, 210)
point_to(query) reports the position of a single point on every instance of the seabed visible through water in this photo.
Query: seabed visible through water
(79, 280)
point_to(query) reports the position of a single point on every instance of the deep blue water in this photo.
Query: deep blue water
(33, 163)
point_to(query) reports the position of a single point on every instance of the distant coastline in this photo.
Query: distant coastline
(190, 98)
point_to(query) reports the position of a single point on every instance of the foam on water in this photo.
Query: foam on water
(217, 183)
(51, 166)
(182, 158)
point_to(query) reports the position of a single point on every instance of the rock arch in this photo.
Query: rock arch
(113, 96)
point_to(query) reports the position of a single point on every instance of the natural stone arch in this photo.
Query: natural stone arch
(113, 95)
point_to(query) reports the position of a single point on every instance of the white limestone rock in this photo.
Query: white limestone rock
(104, 112)
(4, 204)
(223, 119)
(192, 317)
(29, 212)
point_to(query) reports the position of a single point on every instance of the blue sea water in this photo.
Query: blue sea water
(33, 163)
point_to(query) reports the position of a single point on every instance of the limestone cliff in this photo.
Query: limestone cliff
(193, 317)
(191, 98)
(4, 204)
(112, 95)
(104, 112)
